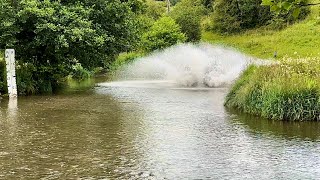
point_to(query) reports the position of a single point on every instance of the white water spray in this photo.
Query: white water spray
(185, 65)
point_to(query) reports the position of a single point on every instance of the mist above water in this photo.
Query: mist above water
(186, 65)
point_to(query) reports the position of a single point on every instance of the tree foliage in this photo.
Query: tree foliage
(230, 16)
(188, 13)
(164, 33)
(52, 36)
(294, 7)
(2, 76)
(155, 9)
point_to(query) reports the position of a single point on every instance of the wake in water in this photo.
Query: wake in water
(187, 65)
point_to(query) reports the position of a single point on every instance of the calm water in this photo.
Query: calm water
(149, 133)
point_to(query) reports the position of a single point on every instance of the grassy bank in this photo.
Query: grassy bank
(289, 90)
(298, 40)
(286, 91)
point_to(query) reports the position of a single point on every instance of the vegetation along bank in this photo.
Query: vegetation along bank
(288, 90)
(59, 40)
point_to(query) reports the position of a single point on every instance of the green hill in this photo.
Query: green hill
(301, 39)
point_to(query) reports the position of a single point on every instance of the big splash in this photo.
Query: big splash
(185, 65)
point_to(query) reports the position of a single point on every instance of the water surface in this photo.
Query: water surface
(126, 132)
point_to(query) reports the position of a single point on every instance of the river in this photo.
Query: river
(115, 132)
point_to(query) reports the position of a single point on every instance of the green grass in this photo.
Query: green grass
(125, 58)
(299, 40)
(289, 90)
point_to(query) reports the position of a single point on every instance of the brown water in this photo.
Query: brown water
(149, 133)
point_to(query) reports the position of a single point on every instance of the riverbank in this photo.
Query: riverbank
(289, 90)
(286, 91)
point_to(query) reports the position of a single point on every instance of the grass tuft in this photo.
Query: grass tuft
(289, 90)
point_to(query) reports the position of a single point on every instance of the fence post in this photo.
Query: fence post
(11, 72)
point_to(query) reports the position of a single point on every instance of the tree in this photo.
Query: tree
(164, 33)
(52, 36)
(155, 9)
(286, 6)
(188, 13)
(231, 16)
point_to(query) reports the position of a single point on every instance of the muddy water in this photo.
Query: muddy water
(149, 133)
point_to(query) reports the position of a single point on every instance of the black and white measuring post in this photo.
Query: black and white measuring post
(11, 73)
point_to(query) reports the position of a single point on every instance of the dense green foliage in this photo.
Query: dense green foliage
(50, 37)
(79, 73)
(188, 13)
(155, 9)
(3, 81)
(164, 33)
(293, 7)
(233, 16)
(286, 91)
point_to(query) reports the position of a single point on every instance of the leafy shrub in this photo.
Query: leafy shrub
(155, 9)
(231, 16)
(283, 19)
(286, 91)
(164, 33)
(79, 73)
(206, 23)
(26, 84)
(188, 13)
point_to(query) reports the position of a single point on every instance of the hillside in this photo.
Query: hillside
(298, 40)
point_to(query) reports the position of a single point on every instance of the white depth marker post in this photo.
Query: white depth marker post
(11, 73)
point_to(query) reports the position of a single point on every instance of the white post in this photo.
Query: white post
(11, 72)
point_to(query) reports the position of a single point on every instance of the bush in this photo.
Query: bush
(188, 13)
(282, 20)
(164, 33)
(79, 73)
(26, 83)
(286, 91)
(231, 16)
(155, 9)
(206, 23)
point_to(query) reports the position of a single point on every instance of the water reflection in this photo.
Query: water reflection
(13, 105)
(134, 133)
(65, 137)
(285, 129)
